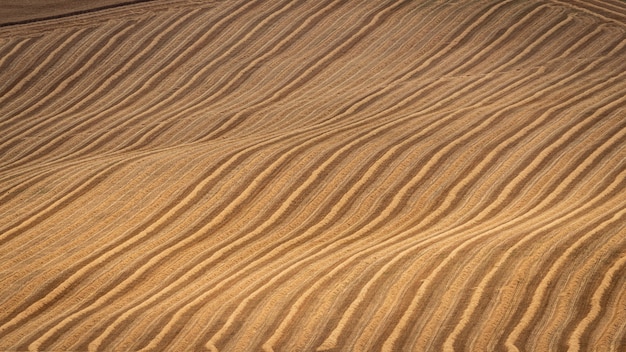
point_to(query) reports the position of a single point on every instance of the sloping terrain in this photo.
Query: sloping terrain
(23, 11)
(314, 175)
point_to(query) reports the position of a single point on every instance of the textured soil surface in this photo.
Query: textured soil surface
(187, 175)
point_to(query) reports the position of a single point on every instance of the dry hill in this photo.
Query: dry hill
(313, 175)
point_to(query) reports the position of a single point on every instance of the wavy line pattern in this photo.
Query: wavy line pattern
(314, 176)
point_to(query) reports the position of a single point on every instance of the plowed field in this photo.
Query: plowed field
(187, 175)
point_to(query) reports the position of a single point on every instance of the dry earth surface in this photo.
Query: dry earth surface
(313, 175)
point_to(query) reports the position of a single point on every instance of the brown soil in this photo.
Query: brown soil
(322, 175)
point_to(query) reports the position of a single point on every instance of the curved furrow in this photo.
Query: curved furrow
(362, 103)
(493, 56)
(309, 72)
(221, 90)
(487, 285)
(356, 107)
(470, 313)
(11, 192)
(174, 198)
(153, 225)
(606, 332)
(215, 219)
(518, 313)
(438, 297)
(292, 34)
(394, 337)
(49, 293)
(583, 42)
(66, 199)
(70, 13)
(572, 134)
(575, 294)
(21, 225)
(11, 53)
(75, 97)
(17, 181)
(507, 36)
(463, 35)
(500, 307)
(605, 13)
(258, 86)
(43, 63)
(524, 326)
(116, 69)
(544, 152)
(139, 56)
(113, 44)
(523, 253)
(261, 24)
(183, 176)
(554, 31)
(239, 77)
(259, 228)
(613, 6)
(609, 278)
(17, 190)
(165, 69)
(97, 55)
(577, 177)
(134, 64)
(52, 73)
(27, 55)
(499, 229)
(548, 282)
(276, 94)
(356, 303)
(290, 175)
(29, 243)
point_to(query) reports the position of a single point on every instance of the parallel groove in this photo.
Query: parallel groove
(290, 175)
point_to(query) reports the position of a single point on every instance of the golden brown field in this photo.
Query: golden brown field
(248, 175)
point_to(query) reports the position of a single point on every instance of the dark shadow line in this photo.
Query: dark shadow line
(74, 13)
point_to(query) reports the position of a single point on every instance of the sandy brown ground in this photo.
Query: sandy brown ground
(12, 11)
(313, 175)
